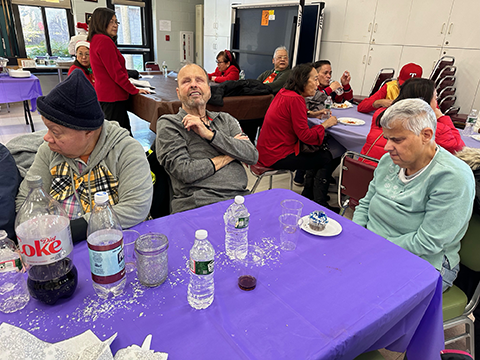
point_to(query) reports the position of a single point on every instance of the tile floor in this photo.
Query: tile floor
(12, 124)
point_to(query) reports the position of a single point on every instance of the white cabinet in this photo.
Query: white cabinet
(330, 51)
(428, 22)
(359, 18)
(212, 46)
(426, 57)
(353, 57)
(476, 101)
(334, 21)
(468, 76)
(463, 28)
(390, 18)
(379, 57)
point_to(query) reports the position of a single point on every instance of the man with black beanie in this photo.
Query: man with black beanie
(83, 154)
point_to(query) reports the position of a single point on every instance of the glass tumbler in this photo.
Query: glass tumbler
(152, 259)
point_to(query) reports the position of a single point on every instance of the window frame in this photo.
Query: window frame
(19, 31)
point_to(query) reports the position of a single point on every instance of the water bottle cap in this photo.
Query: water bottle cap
(101, 197)
(239, 199)
(34, 181)
(3, 234)
(201, 234)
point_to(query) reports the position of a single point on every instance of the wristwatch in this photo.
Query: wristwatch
(308, 112)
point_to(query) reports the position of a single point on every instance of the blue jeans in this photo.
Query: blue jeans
(448, 275)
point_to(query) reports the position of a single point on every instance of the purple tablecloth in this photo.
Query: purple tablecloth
(331, 298)
(20, 89)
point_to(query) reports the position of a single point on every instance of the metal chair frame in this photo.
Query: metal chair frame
(447, 99)
(269, 172)
(446, 79)
(441, 63)
(449, 90)
(152, 66)
(446, 71)
(383, 71)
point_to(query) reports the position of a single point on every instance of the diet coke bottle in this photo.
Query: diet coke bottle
(45, 241)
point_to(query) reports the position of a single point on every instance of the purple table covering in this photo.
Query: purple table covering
(331, 298)
(20, 89)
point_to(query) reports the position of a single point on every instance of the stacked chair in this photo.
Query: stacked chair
(384, 75)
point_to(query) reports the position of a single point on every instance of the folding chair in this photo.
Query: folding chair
(441, 63)
(447, 103)
(449, 90)
(446, 71)
(446, 81)
(355, 176)
(383, 76)
(259, 172)
(152, 66)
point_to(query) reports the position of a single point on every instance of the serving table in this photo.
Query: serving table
(331, 298)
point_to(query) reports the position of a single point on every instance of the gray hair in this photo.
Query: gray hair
(279, 48)
(415, 115)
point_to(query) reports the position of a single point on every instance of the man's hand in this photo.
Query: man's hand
(345, 79)
(143, 91)
(332, 120)
(382, 103)
(213, 78)
(335, 85)
(192, 122)
(241, 136)
(221, 161)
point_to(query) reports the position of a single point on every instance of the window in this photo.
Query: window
(43, 30)
(134, 62)
(130, 28)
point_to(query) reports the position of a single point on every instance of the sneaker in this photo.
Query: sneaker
(299, 178)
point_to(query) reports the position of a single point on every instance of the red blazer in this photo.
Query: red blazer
(366, 105)
(231, 73)
(446, 135)
(90, 77)
(108, 65)
(284, 125)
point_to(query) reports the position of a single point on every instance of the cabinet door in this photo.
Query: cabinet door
(428, 22)
(389, 26)
(379, 57)
(212, 45)
(464, 27)
(334, 21)
(476, 101)
(359, 21)
(330, 51)
(353, 57)
(468, 75)
(426, 57)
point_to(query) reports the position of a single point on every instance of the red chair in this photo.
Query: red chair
(447, 103)
(443, 62)
(259, 172)
(355, 176)
(445, 82)
(449, 90)
(384, 75)
(446, 71)
(152, 66)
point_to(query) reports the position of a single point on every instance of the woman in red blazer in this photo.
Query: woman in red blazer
(108, 65)
(227, 68)
(446, 135)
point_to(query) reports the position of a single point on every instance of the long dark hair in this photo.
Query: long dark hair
(299, 78)
(414, 88)
(228, 56)
(99, 22)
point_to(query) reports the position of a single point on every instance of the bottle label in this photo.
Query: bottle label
(11, 265)
(107, 262)
(242, 222)
(471, 120)
(202, 267)
(45, 250)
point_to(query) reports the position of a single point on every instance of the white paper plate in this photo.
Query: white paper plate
(342, 106)
(476, 137)
(333, 227)
(19, 73)
(351, 121)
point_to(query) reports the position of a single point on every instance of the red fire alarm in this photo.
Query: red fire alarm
(167, 37)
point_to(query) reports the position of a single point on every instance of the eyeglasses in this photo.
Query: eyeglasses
(220, 62)
(281, 57)
(114, 22)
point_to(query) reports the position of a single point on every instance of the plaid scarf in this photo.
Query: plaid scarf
(101, 179)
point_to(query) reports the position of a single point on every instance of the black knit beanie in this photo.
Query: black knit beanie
(73, 103)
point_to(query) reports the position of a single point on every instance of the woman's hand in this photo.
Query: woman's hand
(143, 91)
(320, 113)
(331, 121)
(438, 113)
(213, 78)
(335, 85)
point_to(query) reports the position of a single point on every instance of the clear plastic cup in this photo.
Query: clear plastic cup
(289, 231)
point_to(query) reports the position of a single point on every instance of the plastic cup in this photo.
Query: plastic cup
(291, 206)
(289, 230)
(248, 266)
(129, 238)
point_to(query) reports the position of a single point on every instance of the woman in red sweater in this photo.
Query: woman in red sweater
(108, 65)
(82, 60)
(446, 135)
(286, 125)
(227, 68)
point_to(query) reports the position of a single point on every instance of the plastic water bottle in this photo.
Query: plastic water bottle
(236, 220)
(105, 249)
(45, 240)
(328, 103)
(165, 69)
(242, 75)
(470, 123)
(201, 288)
(13, 288)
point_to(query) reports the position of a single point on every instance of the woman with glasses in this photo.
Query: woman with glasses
(227, 68)
(108, 64)
(82, 60)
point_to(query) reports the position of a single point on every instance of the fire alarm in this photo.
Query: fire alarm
(167, 37)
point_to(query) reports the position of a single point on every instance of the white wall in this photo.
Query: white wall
(80, 7)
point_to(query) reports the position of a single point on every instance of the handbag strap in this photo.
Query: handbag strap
(371, 146)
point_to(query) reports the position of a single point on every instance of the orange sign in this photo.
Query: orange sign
(265, 17)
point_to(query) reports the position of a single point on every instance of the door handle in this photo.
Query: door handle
(364, 57)
(450, 28)
(375, 28)
(369, 60)
(443, 28)
(369, 27)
